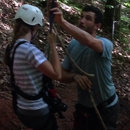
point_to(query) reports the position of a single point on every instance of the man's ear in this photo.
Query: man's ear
(98, 26)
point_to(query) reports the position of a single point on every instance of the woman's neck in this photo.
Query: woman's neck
(27, 37)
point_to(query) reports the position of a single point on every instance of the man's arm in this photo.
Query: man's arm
(80, 35)
(81, 80)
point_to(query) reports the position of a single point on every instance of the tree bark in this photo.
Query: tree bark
(117, 19)
(112, 17)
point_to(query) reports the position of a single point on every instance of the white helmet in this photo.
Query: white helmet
(31, 15)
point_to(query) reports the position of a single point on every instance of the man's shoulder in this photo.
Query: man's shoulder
(73, 43)
(104, 39)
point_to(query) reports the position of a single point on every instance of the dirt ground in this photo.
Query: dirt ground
(9, 120)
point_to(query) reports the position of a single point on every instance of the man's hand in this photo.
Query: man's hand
(82, 81)
(58, 14)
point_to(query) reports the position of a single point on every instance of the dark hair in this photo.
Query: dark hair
(98, 13)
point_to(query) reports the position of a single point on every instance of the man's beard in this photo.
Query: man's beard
(86, 29)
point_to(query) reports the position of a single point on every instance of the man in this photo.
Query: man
(93, 54)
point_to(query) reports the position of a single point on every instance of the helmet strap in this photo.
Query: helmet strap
(33, 36)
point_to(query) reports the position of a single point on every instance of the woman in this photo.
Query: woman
(28, 67)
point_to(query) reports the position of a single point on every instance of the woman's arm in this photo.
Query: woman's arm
(52, 69)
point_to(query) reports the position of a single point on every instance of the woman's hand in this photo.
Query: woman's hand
(51, 38)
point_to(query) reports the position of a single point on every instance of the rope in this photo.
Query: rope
(72, 61)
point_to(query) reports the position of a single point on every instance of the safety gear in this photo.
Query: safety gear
(30, 14)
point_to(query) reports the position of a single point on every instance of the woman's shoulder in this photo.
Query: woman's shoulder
(25, 44)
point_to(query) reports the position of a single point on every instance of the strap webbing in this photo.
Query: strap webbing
(16, 88)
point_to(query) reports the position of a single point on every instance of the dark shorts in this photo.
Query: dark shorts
(46, 122)
(87, 119)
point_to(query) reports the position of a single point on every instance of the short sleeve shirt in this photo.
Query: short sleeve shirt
(93, 63)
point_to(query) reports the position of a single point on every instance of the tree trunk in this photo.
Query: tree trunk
(117, 19)
(111, 17)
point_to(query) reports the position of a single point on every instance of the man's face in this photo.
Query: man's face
(87, 22)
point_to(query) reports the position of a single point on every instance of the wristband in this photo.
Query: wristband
(73, 76)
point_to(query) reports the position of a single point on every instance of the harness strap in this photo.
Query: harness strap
(107, 102)
(44, 93)
(16, 88)
(100, 106)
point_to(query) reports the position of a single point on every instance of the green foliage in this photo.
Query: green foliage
(125, 15)
(41, 3)
(109, 6)
(127, 4)
(65, 1)
(125, 19)
(76, 6)
(38, 1)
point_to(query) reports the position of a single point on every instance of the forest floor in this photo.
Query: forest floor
(120, 71)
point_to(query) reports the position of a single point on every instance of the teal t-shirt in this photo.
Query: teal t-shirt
(93, 63)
